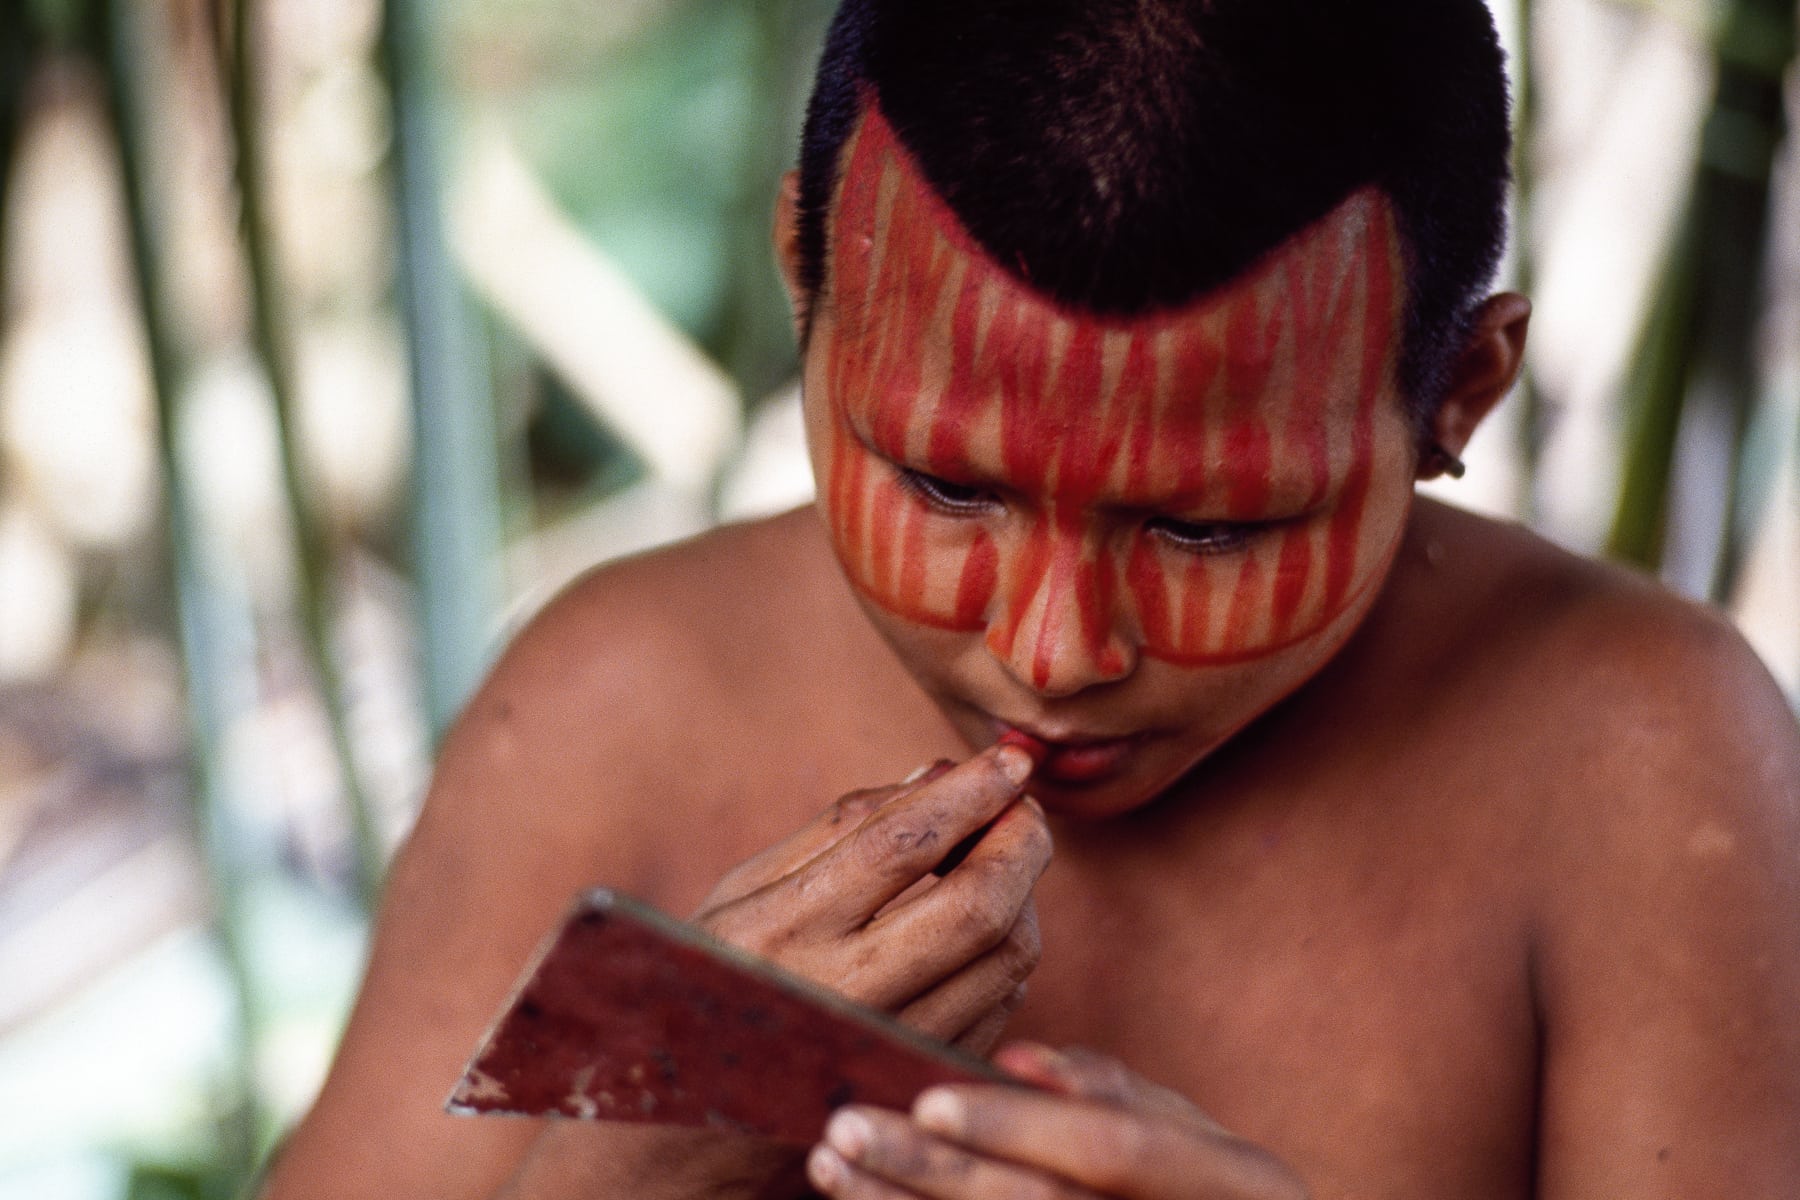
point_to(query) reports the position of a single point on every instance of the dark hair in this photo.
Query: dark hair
(1131, 155)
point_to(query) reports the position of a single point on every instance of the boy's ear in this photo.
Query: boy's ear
(787, 246)
(1481, 376)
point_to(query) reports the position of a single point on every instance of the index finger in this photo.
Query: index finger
(1110, 1150)
(836, 822)
(905, 838)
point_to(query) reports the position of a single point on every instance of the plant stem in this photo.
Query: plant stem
(1755, 48)
(456, 510)
(1530, 399)
(201, 618)
(1698, 344)
(271, 324)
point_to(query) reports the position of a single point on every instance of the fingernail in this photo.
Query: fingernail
(1014, 763)
(929, 772)
(941, 1111)
(849, 1134)
(824, 1168)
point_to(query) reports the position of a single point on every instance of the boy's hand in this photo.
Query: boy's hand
(1096, 1131)
(851, 902)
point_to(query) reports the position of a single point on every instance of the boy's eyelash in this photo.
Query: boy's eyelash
(1205, 537)
(1193, 537)
(955, 498)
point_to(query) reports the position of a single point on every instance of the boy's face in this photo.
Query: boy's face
(1127, 537)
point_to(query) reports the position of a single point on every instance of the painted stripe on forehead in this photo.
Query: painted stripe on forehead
(1063, 399)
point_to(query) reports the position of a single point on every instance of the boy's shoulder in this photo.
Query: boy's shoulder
(1652, 767)
(1594, 656)
(687, 684)
(700, 622)
(1616, 715)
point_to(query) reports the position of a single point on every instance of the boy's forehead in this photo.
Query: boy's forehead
(897, 245)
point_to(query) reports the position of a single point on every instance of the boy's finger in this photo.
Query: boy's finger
(926, 939)
(971, 909)
(841, 817)
(982, 993)
(903, 839)
(1077, 1071)
(888, 1147)
(837, 821)
(1110, 1150)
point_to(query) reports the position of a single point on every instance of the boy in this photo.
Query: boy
(1395, 852)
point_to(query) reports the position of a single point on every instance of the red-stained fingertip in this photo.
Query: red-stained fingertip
(1024, 741)
(1034, 1063)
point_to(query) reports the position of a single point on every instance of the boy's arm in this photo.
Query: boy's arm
(513, 826)
(540, 792)
(1667, 956)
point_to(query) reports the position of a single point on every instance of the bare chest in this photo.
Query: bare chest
(1370, 1022)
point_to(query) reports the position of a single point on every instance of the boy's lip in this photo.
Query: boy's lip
(1068, 757)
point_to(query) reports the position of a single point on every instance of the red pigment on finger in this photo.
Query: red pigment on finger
(1024, 741)
(952, 366)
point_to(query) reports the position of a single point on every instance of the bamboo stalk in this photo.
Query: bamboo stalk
(313, 552)
(200, 607)
(18, 43)
(456, 508)
(1531, 429)
(1698, 344)
(1655, 393)
(1756, 48)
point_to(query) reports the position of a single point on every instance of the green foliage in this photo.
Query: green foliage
(1697, 346)
(194, 1181)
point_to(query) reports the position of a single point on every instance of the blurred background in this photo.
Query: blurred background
(335, 335)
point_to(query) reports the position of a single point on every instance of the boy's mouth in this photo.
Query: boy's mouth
(1071, 758)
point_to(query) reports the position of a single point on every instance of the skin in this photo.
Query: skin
(1223, 410)
(1482, 885)
(1224, 490)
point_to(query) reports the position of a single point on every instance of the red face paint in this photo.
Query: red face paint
(1092, 446)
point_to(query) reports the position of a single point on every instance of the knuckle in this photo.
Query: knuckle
(901, 834)
(852, 807)
(1017, 959)
(1024, 941)
(1036, 842)
(743, 929)
(981, 923)
(1124, 1157)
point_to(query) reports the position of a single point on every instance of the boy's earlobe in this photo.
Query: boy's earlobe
(1482, 375)
(787, 244)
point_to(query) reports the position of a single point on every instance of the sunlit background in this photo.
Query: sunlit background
(337, 334)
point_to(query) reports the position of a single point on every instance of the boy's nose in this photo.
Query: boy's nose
(1059, 628)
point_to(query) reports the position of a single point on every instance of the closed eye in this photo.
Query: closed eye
(956, 499)
(1206, 537)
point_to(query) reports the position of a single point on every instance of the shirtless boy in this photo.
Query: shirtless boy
(1396, 853)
